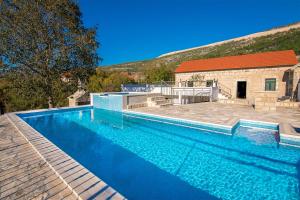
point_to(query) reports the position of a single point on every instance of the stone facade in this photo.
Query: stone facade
(80, 97)
(265, 101)
(255, 79)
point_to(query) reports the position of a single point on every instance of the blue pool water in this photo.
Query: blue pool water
(152, 158)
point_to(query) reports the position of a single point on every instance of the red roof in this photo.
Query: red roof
(257, 60)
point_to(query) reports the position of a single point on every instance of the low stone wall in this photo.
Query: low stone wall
(139, 99)
(288, 104)
(137, 105)
(265, 101)
(72, 102)
(235, 101)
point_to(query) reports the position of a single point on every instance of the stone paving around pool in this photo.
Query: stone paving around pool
(229, 114)
(31, 167)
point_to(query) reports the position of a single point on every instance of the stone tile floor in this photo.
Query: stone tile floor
(228, 114)
(23, 173)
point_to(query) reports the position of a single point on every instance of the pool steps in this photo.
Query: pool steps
(158, 101)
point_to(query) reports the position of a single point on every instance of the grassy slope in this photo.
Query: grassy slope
(279, 41)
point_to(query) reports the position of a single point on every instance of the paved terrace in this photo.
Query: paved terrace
(23, 173)
(229, 114)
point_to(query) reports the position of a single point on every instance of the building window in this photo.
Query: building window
(209, 83)
(270, 84)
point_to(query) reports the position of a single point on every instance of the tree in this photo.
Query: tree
(104, 81)
(96, 81)
(42, 39)
(114, 81)
(157, 74)
(3, 97)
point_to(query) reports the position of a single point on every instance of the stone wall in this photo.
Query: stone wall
(72, 102)
(288, 104)
(255, 79)
(265, 101)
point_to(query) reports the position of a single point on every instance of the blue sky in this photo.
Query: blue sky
(131, 30)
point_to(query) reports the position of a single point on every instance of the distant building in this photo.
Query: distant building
(80, 97)
(246, 76)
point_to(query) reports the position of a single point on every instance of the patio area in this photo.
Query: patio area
(229, 114)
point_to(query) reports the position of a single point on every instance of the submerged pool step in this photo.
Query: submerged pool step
(183, 123)
(230, 130)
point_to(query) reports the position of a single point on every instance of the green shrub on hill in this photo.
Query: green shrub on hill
(104, 81)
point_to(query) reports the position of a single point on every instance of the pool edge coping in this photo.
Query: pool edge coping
(231, 127)
(35, 138)
(182, 120)
(49, 109)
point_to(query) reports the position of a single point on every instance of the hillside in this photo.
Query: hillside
(282, 38)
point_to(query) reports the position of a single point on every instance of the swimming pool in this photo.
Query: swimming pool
(148, 157)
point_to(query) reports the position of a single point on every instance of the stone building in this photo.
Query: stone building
(247, 76)
(80, 97)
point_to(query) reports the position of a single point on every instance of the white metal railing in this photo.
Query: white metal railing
(192, 91)
(224, 90)
(167, 89)
(211, 92)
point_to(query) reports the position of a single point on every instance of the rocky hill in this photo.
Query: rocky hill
(282, 38)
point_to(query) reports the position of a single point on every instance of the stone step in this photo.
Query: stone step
(165, 105)
(234, 101)
(156, 98)
(159, 102)
(137, 105)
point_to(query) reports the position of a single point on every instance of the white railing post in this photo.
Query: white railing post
(210, 99)
(160, 87)
(179, 97)
(91, 99)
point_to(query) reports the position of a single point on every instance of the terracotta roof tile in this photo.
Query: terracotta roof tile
(257, 60)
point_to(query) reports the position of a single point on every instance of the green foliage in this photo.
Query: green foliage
(29, 93)
(95, 83)
(157, 74)
(104, 81)
(41, 41)
(17, 96)
(3, 97)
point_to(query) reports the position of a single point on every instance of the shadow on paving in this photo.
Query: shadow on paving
(297, 129)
